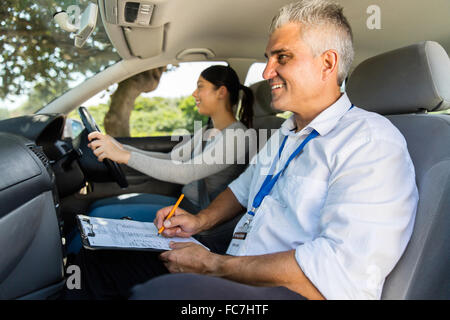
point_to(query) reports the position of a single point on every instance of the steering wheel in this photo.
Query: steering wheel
(113, 167)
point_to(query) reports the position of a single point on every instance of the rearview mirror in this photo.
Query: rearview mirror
(87, 25)
(84, 27)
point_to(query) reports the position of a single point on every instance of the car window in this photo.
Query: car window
(38, 59)
(169, 109)
(255, 73)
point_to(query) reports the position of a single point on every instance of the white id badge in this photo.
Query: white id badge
(239, 236)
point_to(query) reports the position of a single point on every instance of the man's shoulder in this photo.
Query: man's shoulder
(370, 126)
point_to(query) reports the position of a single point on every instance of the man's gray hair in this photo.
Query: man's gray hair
(327, 18)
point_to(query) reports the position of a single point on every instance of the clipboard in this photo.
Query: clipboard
(86, 229)
(117, 234)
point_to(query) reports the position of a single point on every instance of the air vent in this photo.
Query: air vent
(39, 152)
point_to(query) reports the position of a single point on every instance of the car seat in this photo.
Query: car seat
(404, 85)
(264, 116)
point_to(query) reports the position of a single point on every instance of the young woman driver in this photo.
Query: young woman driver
(193, 163)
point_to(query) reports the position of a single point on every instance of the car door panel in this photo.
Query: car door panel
(31, 258)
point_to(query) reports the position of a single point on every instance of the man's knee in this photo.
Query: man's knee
(168, 287)
(185, 286)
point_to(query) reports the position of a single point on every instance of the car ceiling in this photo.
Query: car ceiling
(238, 28)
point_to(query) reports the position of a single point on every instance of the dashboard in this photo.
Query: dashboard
(42, 173)
(31, 228)
(45, 139)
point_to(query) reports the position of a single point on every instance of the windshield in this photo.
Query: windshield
(39, 61)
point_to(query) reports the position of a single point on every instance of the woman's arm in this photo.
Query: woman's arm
(181, 152)
(224, 151)
(105, 146)
(154, 154)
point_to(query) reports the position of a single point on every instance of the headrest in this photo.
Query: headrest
(263, 99)
(405, 80)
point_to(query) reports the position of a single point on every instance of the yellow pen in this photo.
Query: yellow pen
(171, 212)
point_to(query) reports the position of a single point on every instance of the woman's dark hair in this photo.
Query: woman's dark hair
(226, 76)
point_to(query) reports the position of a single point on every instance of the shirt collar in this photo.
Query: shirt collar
(324, 122)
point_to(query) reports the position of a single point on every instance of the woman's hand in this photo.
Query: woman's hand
(106, 147)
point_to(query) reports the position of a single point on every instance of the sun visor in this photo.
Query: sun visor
(143, 38)
(145, 42)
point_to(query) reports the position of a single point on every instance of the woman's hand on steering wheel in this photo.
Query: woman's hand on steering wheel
(106, 147)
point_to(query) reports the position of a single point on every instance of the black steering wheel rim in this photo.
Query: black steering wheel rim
(113, 167)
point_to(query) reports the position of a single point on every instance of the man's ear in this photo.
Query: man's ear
(330, 60)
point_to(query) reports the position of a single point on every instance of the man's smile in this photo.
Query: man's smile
(275, 86)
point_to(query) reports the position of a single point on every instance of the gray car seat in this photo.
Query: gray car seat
(265, 119)
(264, 116)
(404, 85)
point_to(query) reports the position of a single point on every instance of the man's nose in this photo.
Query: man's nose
(269, 72)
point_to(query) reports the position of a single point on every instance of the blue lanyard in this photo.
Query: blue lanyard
(270, 180)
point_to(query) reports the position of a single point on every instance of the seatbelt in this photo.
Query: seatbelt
(203, 196)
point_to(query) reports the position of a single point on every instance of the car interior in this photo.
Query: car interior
(401, 71)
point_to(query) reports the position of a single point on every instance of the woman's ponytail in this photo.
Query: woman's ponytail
(245, 112)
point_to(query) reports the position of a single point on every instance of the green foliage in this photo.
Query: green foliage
(39, 95)
(40, 59)
(441, 112)
(163, 116)
(4, 114)
(155, 116)
(97, 112)
(188, 107)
